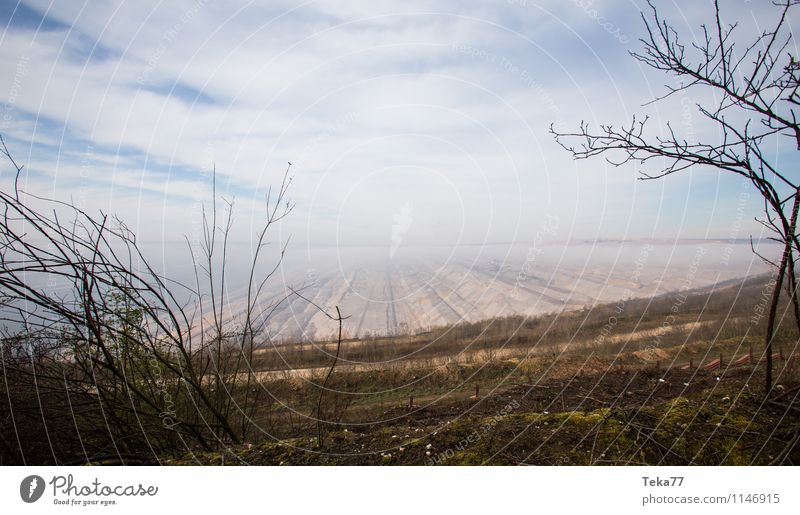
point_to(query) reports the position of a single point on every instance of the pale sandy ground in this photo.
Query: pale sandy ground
(410, 295)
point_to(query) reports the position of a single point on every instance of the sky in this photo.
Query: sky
(406, 122)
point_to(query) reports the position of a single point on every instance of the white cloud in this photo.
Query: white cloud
(360, 95)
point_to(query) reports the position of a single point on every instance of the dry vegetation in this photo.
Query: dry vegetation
(551, 391)
(634, 399)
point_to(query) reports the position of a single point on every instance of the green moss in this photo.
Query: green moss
(703, 428)
(586, 418)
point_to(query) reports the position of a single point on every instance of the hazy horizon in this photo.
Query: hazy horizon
(386, 290)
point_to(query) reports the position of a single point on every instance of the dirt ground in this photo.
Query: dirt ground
(618, 416)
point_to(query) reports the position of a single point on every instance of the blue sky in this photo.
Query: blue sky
(436, 109)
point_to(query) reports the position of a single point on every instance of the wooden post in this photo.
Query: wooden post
(477, 390)
(780, 353)
(411, 402)
(658, 365)
(691, 363)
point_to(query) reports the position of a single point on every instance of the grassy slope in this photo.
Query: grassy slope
(560, 396)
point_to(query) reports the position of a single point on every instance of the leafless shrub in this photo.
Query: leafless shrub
(155, 365)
